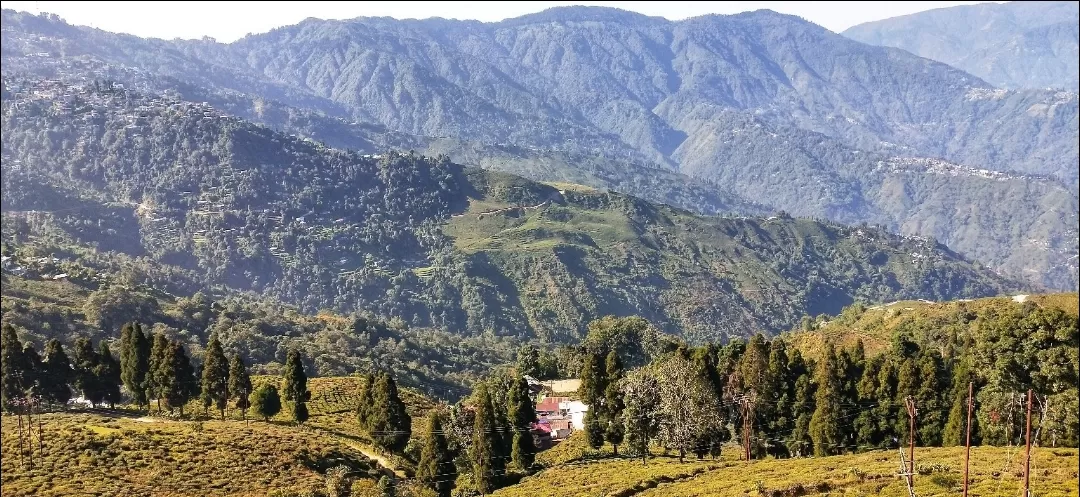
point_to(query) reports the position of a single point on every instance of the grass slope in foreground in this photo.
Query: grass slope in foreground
(995, 471)
(94, 454)
(121, 453)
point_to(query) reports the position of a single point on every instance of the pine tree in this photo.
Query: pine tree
(528, 361)
(157, 376)
(239, 385)
(215, 377)
(13, 369)
(86, 380)
(365, 405)
(108, 375)
(294, 385)
(127, 338)
(849, 367)
(522, 413)
(482, 452)
(135, 362)
(802, 410)
(824, 424)
(390, 422)
(866, 427)
(294, 382)
(956, 426)
(299, 412)
(885, 410)
(594, 428)
(777, 410)
(593, 385)
(179, 377)
(32, 379)
(436, 468)
(613, 402)
(57, 373)
(928, 399)
(593, 381)
(266, 401)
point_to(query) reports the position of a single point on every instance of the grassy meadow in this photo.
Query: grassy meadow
(995, 471)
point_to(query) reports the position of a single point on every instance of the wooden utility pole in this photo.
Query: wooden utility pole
(1027, 457)
(912, 412)
(967, 443)
(904, 472)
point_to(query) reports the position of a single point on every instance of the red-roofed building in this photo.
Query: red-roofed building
(550, 405)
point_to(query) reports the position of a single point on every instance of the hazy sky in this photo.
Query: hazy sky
(228, 21)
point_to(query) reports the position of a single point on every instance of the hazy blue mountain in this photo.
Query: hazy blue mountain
(1011, 45)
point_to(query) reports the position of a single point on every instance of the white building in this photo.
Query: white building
(576, 410)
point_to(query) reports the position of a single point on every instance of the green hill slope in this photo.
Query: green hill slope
(995, 471)
(933, 323)
(218, 202)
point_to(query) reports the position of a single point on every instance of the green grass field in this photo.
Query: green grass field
(95, 454)
(995, 471)
(127, 452)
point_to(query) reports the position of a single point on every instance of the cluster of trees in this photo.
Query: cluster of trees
(151, 368)
(600, 390)
(30, 379)
(381, 412)
(503, 411)
(783, 404)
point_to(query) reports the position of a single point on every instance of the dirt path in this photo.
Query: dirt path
(370, 454)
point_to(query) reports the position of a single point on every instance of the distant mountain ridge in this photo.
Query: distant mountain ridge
(1011, 45)
(757, 106)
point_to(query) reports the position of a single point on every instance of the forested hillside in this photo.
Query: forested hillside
(755, 106)
(211, 200)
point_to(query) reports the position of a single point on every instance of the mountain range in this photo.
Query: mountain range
(747, 114)
(181, 197)
(1010, 45)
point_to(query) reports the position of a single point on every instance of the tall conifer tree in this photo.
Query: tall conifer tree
(135, 362)
(593, 385)
(436, 468)
(239, 385)
(86, 379)
(483, 451)
(390, 422)
(108, 375)
(179, 377)
(13, 368)
(157, 376)
(956, 426)
(824, 424)
(57, 373)
(215, 377)
(613, 402)
(522, 413)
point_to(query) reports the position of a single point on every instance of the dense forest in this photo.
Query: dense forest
(185, 199)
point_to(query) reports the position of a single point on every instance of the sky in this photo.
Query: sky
(229, 21)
